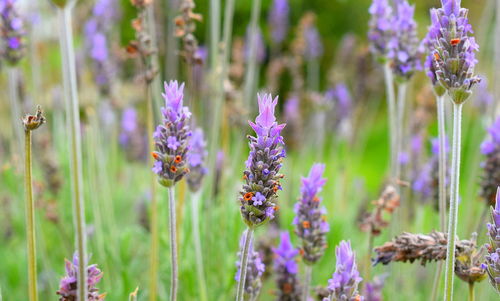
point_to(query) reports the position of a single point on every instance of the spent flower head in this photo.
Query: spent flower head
(172, 137)
(32, 122)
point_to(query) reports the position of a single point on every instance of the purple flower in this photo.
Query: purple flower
(484, 98)
(196, 160)
(310, 223)
(452, 50)
(255, 269)
(405, 50)
(13, 46)
(285, 268)
(263, 165)
(491, 165)
(69, 283)
(278, 20)
(172, 137)
(345, 280)
(259, 45)
(373, 290)
(342, 102)
(493, 257)
(381, 28)
(314, 48)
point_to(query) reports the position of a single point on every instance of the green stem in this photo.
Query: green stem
(195, 208)
(71, 94)
(437, 278)
(214, 32)
(252, 59)
(368, 256)
(402, 88)
(454, 190)
(471, 291)
(391, 104)
(307, 282)
(173, 244)
(240, 293)
(153, 259)
(30, 219)
(15, 108)
(442, 161)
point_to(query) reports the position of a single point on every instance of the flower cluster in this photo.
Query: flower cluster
(374, 221)
(262, 177)
(314, 48)
(132, 137)
(493, 257)
(405, 50)
(278, 20)
(196, 160)
(13, 33)
(185, 25)
(258, 41)
(491, 166)
(381, 28)
(32, 122)
(255, 269)
(172, 137)
(453, 50)
(285, 267)
(310, 222)
(69, 283)
(345, 280)
(104, 14)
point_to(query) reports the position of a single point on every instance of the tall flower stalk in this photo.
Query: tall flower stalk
(262, 178)
(286, 269)
(492, 264)
(71, 94)
(453, 57)
(31, 122)
(310, 222)
(171, 160)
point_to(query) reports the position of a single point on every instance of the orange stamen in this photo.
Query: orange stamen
(178, 159)
(454, 42)
(248, 196)
(316, 199)
(173, 168)
(301, 252)
(276, 208)
(155, 155)
(306, 224)
(436, 56)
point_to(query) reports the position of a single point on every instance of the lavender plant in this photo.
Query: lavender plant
(262, 177)
(286, 269)
(171, 162)
(491, 166)
(31, 123)
(69, 283)
(345, 280)
(255, 269)
(492, 265)
(454, 61)
(310, 222)
(278, 20)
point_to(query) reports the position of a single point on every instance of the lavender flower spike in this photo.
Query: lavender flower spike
(255, 269)
(454, 49)
(172, 137)
(345, 280)
(285, 267)
(405, 50)
(196, 160)
(491, 166)
(68, 285)
(278, 20)
(381, 28)
(13, 33)
(493, 258)
(262, 177)
(310, 223)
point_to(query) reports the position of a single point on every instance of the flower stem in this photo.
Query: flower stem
(368, 255)
(454, 190)
(307, 282)
(391, 104)
(30, 219)
(15, 110)
(153, 259)
(442, 161)
(437, 278)
(173, 244)
(240, 293)
(197, 245)
(402, 88)
(471, 291)
(248, 91)
(71, 94)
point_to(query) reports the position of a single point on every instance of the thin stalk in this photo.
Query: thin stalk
(195, 208)
(437, 278)
(442, 161)
(30, 219)
(368, 256)
(391, 104)
(240, 292)
(173, 244)
(471, 291)
(15, 108)
(497, 56)
(155, 238)
(402, 88)
(454, 190)
(313, 74)
(307, 282)
(214, 32)
(71, 93)
(252, 59)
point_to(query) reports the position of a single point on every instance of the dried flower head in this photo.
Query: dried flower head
(32, 122)
(310, 222)
(185, 26)
(69, 284)
(13, 34)
(285, 268)
(491, 166)
(469, 265)
(388, 203)
(262, 177)
(172, 137)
